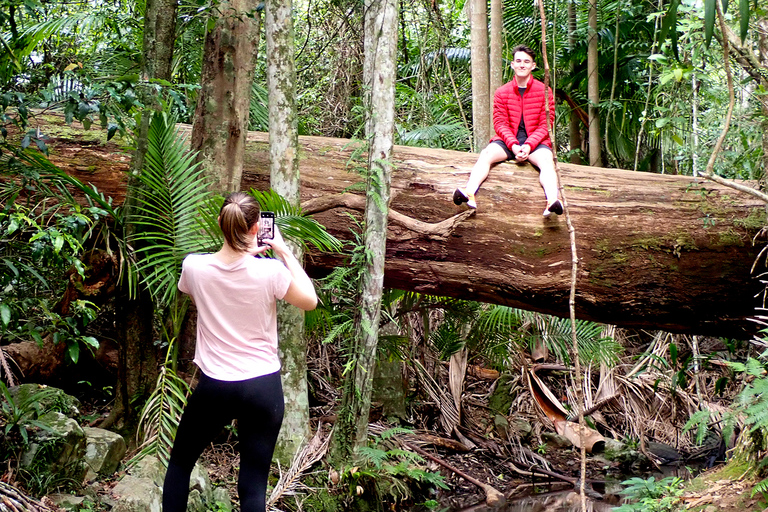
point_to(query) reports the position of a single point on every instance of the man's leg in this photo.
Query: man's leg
(492, 154)
(542, 158)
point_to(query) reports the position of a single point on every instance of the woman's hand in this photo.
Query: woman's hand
(277, 244)
(301, 292)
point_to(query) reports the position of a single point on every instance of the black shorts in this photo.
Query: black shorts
(510, 155)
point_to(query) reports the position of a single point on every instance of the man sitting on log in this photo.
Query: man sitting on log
(520, 121)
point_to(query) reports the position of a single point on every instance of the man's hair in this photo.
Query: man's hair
(524, 49)
(238, 215)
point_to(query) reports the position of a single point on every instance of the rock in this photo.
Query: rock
(556, 440)
(520, 426)
(67, 501)
(626, 455)
(150, 468)
(199, 481)
(44, 398)
(195, 502)
(103, 452)
(221, 500)
(59, 448)
(141, 489)
(137, 494)
(502, 426)
(664, 452)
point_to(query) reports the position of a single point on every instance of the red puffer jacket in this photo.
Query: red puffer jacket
(508, 106)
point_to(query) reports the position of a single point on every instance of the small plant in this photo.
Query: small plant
(651, 495)
(18, 416)
(542, 449)
(389, 473)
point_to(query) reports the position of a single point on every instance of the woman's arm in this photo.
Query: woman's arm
(301, 291)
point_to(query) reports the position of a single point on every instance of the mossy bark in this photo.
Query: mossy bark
(379, 77)
(284, 179)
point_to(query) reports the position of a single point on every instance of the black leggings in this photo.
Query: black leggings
(258, 406)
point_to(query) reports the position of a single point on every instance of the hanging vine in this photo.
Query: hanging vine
(574, 265)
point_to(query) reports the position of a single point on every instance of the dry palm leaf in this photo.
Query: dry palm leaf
(302, 461)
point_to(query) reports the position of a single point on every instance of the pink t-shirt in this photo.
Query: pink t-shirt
(236, 315)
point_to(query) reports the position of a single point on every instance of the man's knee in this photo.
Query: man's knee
(493, 153)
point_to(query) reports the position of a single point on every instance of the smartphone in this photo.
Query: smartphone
(267, 227)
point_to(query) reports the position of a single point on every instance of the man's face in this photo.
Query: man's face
(523, 65)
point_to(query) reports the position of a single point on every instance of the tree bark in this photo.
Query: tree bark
(656, 251)
(496, 62)
(481, 97)
(593, 89)
(223, 106)
(379, 77)
(284, 179)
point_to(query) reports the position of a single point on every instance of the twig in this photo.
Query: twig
(736, 186)
(493, 497)
(574, 263)
(599, 405)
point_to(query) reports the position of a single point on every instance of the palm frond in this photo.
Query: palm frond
(160, 417)
(293, 225)
(173, 188)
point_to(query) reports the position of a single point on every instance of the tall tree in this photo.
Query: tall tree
(481, 98)
(137, 367)
(220, 127)
(379, 77)
(593, 89)
(284, 179)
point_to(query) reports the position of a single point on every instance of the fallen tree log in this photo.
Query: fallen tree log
(655, 251)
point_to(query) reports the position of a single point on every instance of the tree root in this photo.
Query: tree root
(439, 230)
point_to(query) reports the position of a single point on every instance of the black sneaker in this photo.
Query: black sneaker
(556, 208)
(459, 197)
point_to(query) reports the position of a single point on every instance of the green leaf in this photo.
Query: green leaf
(5, 314)
(91, 341)
(709, 20)
(744, 14)
(73, 351)
(669, 22)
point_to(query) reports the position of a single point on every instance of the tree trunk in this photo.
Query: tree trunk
(574, 126)
(223, 105)
(656, 251)
(284, 179)
(481, 98)
(496, 63)
(137, 355)
(593, 89)
(379, 77)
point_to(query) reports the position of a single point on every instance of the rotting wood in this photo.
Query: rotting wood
(655, 251)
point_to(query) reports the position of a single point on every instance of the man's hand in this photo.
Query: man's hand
(523, 153)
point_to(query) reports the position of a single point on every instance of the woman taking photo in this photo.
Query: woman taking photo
(236, 351)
